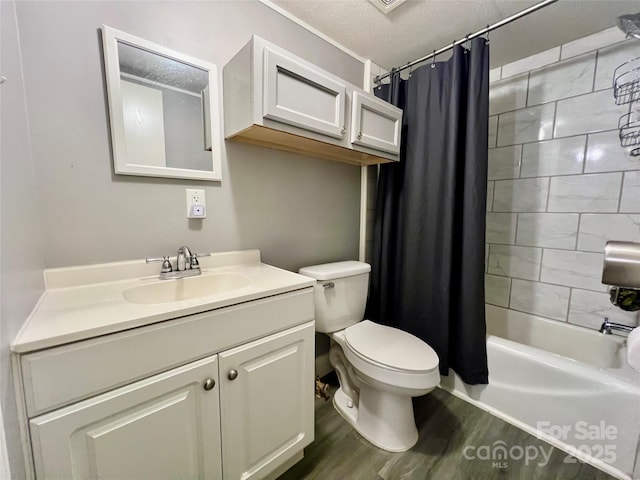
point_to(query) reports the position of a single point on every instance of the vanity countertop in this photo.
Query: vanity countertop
(85, 302)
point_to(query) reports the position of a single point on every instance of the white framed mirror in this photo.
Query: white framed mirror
(164, 109)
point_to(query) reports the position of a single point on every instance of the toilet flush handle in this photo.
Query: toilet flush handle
(329, 285)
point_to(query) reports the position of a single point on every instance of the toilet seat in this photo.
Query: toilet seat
(390, 348)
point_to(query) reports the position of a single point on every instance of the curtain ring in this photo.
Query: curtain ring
(433, 60)
(486, 42)
(410, 68)
(467, 47)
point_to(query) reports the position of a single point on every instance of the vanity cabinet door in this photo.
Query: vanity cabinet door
(375, 124)
(164, 427)
(266, 397)
(299, 95)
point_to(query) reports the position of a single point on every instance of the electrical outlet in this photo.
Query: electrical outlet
(196, 203)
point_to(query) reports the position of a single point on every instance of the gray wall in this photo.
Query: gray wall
(21, 255)
(296, 210)
(61, 203)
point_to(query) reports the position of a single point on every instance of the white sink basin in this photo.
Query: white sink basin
(186, 288)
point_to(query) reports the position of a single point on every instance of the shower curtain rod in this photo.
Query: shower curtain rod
(487, 29)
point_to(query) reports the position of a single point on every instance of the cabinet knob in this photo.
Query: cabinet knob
(209, 384)
(359, 135)
(343, 130)
(233, 374)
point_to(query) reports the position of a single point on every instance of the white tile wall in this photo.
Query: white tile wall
(495, 74)
(501, 228)
(554, 157)
(604, 154)
(504, 162)
(532, 62)
(630, 201)
(550, 230)
(509, 94)
(526, 125)
(592, 42)
(525, 195)
(593, 112)
(497, 290)
(610, 58)
(588, 309)
(551, 301)
(572, 269)
(560, 184)
(561, 80)
(596, 229)
(596, 192)
(516, 262)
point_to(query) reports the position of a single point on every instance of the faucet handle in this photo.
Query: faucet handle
(194, 259)
(166, 264)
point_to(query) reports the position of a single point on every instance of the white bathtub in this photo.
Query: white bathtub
(565, 384)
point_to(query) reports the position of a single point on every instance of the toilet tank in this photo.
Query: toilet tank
(340, 293)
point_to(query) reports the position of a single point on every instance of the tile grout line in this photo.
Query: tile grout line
(585, 153)
(622, 179)
(566, 317)
(595, 72)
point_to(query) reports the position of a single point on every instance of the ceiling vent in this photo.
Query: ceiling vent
(385, 6)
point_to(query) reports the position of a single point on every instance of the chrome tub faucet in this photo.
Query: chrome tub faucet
(607, 326)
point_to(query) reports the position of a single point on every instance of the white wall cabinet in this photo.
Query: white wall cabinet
(241, 412)
(277, 100)
(375, 124)
(301, 96)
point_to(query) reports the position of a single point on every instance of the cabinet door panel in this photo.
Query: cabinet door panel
(300, 96)
(166, 426)
(267, 410)
(375, 124)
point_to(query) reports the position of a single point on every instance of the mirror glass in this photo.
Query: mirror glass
(164, 110)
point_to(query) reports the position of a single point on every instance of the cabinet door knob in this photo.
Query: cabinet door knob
(343, 130)
(359, 135)
(209, 384)
(233, 374)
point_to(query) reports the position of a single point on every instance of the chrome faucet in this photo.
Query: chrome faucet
(183, 259)
(187, 264)
(607, 326)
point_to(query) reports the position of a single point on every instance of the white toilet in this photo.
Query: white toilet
(379, 368)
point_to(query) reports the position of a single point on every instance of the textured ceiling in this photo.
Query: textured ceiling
(418, 27)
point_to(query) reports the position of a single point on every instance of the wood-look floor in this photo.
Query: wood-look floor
(446, 424)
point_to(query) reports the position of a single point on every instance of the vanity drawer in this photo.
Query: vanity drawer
(59, 376)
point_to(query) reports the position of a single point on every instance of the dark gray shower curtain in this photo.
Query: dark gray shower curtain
(428, 256)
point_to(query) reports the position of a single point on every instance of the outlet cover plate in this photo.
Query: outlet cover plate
(196, 197)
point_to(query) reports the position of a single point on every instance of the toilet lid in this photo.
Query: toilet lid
(391, 347)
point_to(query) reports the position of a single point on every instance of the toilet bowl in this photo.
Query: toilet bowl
(379, 368)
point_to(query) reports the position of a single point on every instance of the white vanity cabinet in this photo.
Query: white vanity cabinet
(266, 402)
(169, 425)
(277, 100)
(222, 394)
(164, 427)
